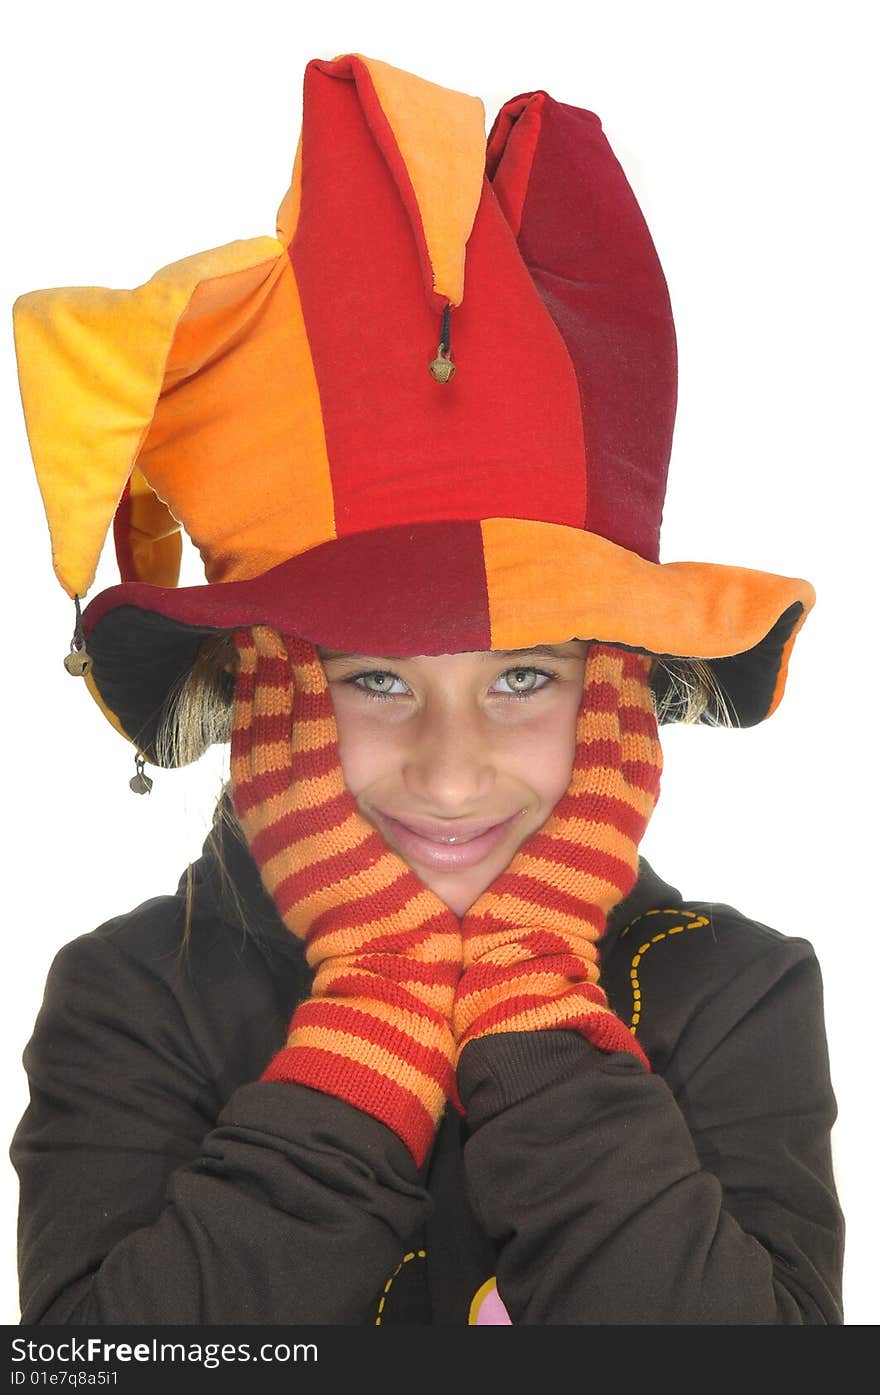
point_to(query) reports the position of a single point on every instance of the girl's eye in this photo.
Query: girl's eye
(378, 685)
(522, 682)
(383, 682)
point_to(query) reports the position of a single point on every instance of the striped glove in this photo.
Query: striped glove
(530, 952)
(386, 951)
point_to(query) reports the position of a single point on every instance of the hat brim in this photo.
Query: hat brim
(446, 587)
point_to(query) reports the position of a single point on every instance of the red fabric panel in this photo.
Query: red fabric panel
(357, 70)
(584, 239)
(510, 190)
(505, 437)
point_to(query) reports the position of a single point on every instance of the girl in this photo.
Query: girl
(421, 1038)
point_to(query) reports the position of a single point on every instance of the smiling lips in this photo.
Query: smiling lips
(444, 843)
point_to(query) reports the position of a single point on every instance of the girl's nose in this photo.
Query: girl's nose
(450, 766)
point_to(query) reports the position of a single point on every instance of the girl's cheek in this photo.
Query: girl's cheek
(368, 751)
(545, 760)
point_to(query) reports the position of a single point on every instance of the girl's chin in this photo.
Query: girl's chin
(459, 903)
(459, 889)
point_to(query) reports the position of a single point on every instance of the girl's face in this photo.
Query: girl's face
(457, 758)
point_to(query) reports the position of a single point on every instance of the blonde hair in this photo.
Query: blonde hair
(198, 713)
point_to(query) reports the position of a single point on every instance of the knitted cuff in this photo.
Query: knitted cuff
(398, 1071)
(583, 1008)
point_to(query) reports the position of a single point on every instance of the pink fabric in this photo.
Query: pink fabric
(492, 1312)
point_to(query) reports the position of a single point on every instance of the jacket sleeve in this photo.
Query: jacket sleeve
(615, 1200)
(141, 1203)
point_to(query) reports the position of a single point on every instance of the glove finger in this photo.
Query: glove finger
(584, 858)
(329, 871)
(618, 757)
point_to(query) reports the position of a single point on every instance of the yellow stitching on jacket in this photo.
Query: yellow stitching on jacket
(693, 922)
(413, 1254)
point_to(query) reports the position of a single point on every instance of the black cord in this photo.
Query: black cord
(79, 638)
(444, 330)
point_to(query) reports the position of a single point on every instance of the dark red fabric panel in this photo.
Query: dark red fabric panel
(394, 591)
(505, 437)
(587, 246)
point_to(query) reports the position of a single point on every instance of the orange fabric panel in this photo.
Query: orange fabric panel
(288, 213)
(581, 585)
(237, 448)
(154, 542)
(441, 135)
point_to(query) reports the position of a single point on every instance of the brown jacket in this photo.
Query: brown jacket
(162, 1182)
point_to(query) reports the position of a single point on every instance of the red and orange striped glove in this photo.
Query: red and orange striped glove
(376, 1030)
(530, 940)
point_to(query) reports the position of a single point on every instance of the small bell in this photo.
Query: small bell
(442, 369)
(78, 662)
(140, 783)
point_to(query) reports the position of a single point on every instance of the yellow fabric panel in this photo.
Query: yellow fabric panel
(441, 135)
(154, 535)
(582, 585)
(91, 363)
(237, 447)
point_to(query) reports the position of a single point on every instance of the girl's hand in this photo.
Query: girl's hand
(530, 940)
(386, 951)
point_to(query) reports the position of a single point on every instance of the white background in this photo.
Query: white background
(138, 135)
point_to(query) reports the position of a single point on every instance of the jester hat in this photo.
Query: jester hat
(433, 414)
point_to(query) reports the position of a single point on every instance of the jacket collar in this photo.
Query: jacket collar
(214, 897)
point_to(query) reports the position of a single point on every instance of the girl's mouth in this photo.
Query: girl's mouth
(447, 843)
